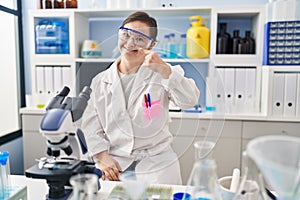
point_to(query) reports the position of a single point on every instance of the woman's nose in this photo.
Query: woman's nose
(131, 42)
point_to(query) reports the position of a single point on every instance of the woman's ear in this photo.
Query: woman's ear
(153, 44)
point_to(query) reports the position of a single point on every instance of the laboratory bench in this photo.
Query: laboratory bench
(231, 132)
(38, 188)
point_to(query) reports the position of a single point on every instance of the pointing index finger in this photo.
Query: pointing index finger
(144, 51)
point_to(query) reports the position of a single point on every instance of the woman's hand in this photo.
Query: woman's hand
(110, 167)
(155, 63)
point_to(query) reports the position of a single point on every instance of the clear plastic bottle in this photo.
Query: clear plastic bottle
(202, 183)
(165, 46)
(172, 46)
(182, 46)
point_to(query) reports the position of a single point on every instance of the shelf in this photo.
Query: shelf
(236, 59)
(172, 11)
(96, 60)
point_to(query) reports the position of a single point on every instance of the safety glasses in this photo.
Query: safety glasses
(140, 39)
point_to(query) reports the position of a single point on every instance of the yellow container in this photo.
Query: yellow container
(198, 39)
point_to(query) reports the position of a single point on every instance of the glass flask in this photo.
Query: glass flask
(85, 186)
(202, 183)
(252, 183)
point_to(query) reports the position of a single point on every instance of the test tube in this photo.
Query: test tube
(1, 180)
(4, 172)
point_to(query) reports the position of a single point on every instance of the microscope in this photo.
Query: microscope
(57, 126)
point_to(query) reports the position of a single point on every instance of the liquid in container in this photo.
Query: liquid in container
(198, 39)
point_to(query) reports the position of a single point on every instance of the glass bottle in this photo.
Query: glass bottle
(47, 4)
(58, 4)
(202, 183)
(223, 41)
(250, 42)
(236, 39)
(71, 3)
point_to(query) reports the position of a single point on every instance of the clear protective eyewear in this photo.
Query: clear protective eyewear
(140, 39)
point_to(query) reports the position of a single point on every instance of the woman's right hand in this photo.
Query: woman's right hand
(110, 167)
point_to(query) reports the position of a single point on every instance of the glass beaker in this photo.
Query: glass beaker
(252, 183)
(202, 183)
(134, 187)
(85, 186)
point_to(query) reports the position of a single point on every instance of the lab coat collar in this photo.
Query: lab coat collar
(143, 74)
(141, 81)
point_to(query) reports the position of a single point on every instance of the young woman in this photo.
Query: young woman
(126, 121)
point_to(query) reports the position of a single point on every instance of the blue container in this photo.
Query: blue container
(52, 36)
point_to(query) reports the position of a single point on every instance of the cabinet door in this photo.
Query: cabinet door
(227, 150)
(34, 144)
(255, 129)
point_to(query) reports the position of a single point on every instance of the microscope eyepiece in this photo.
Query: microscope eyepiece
(64, 92)
(85, 93)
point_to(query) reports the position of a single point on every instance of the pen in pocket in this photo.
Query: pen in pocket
(146, 100)
(149, 100)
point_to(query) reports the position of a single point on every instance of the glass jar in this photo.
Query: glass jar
(85, 186)
(58, 4)
(47, 4)
(71, 3)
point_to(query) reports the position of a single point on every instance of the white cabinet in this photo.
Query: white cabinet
(239, 75)
(34, 143)
(52, 53)
(281, 91)
(227, 134)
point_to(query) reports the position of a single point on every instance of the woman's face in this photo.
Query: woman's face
(132, 36)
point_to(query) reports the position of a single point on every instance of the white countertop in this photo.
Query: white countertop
(38, 188)
(210, 115)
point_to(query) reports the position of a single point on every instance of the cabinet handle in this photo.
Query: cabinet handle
(203, 128)
(284, 132)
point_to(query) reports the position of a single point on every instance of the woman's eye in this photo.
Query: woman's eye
(139, 39)
(125, 35)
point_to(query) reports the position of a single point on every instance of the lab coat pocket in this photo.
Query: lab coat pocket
(153, 111)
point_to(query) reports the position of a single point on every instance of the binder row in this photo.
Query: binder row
(286, 94)
(235, 90)
(282, 44)
(51, 79)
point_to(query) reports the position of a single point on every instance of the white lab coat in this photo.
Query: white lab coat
(135, 132)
